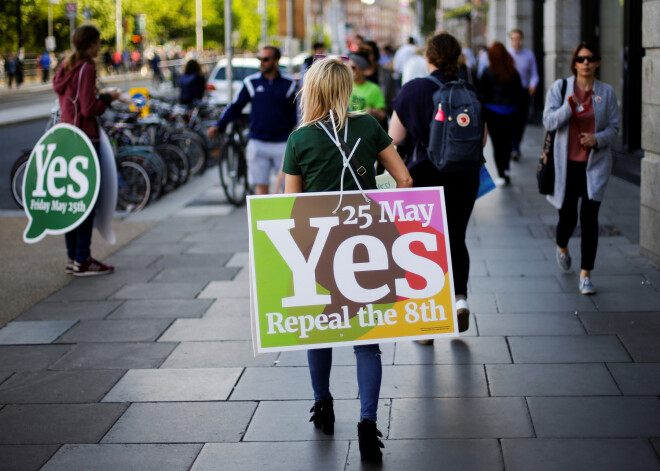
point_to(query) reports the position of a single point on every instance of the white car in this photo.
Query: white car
(242, 67)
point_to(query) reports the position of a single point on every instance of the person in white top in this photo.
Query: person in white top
(402, 55)
(529, 76)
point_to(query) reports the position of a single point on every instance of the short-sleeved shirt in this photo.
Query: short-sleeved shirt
(367, 95)
(414, 107)
(311, 154)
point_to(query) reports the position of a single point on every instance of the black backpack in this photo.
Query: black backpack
(457, 128)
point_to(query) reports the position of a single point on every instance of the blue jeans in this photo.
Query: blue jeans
(369, 376)
(79, 240)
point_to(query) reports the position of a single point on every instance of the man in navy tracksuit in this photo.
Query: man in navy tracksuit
(272, 119)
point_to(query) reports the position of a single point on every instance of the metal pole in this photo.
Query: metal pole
(72, 25)
(198, 26)
(50, 18)
(263, 13)
(228, 50)
(19, 24)
(118, 27)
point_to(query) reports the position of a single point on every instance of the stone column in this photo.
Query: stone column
(519, 16)
(561, 32)
(650, 185)
(497, 21)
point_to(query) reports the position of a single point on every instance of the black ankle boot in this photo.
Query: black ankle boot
(324, 416)
(370, 444)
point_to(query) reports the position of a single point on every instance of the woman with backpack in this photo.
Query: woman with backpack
(586, 122)
(503, 93)
(414, 111)
(80, 105)
(312, 163)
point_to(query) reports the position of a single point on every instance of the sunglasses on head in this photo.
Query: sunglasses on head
(265, 59)
(581, 59)
(318, 57)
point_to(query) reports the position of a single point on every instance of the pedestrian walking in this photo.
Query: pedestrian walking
(44, 63)
(312, 163)
(272, 118)
(191, 84)
(503, 93)
(81, 105)
(10, 69)
(366, 96)
(526, 65)
(154, 64)
(380, 75)
(413, 112)
(586, 123)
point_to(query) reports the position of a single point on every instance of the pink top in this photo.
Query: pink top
(582, 121)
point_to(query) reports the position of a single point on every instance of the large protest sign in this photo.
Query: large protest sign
(377, 271)
(61, 183)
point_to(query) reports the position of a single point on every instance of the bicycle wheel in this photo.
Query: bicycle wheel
(149, 163)
(193, 147)
(16, 178)
(178, 166)
(134, 186)
(233, 173)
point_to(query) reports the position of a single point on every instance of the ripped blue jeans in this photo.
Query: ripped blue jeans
(369, 376)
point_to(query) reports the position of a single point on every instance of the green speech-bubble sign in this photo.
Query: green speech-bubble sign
(61, 182)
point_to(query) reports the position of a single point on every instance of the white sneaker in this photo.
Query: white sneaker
(499, 181)
(586, 286)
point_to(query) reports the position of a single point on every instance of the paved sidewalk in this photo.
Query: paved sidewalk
(151, 368)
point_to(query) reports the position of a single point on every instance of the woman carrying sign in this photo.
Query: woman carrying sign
(586, 122)
(80, 104)
(313, 163)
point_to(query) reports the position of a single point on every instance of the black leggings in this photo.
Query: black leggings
(460, 194)
(576, 187)
(501, 128)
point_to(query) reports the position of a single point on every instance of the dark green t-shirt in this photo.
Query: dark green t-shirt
(311, 154)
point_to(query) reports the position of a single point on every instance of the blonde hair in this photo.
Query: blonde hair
(327, 85)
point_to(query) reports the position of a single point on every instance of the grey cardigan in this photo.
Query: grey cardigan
(557, 115)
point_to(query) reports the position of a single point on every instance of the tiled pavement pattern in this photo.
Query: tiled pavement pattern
(151, 368)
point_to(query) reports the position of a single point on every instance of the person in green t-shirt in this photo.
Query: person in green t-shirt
(312, 162)
(366, 96)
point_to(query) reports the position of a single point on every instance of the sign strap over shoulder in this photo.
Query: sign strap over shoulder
(75, 100)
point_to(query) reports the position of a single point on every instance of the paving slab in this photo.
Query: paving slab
(113, 457)
(192, 261)
(578, 454)
(125, 262)
(33, 332)
(96, 288)
(182, 422)
(123, 356)
(545, 302)
(297, 456)
(551, 380)
(567, 349)
(160, 291)
(628, 323)
(57, 423)
(160, 309)
(464, 350)
(522, 267)
(132, 330)
(506, 253)
(514, 284)
(25, 457)
(222, 354)
(595, 417)
(340, 356)
(195, 275)
(215, 328)
(608, 284)
(637, 379)
(225, 289)
(529, 324)
(642, 348)
(174, 385)
(228, 307)
(4, 375)
(30, 358)
(480, 302)
(148, 248)
(629, 301)
(215, 248)
(285, 383)
(488, 417)
(58, 387)
(403, 381)
(445, 455)
(283, 421)
(57, 311)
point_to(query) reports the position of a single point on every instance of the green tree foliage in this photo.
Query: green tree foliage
(167, 20)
